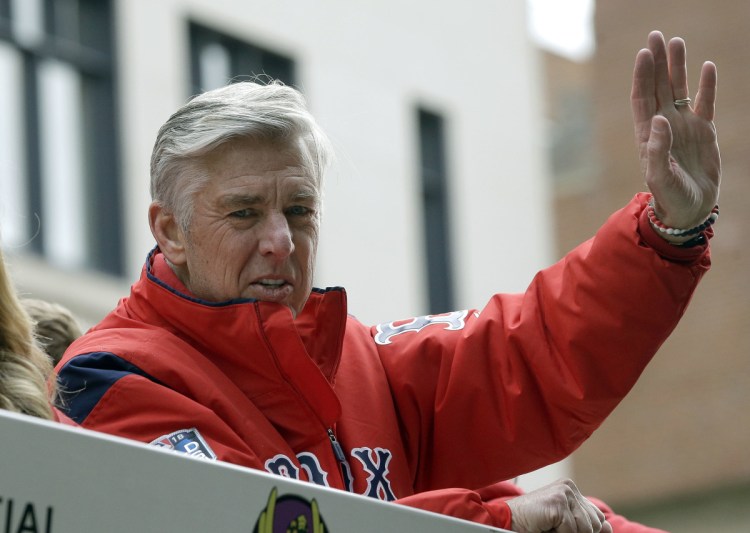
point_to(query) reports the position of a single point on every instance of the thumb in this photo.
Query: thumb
(659, 146)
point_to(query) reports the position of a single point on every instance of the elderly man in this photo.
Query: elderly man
(224, 349)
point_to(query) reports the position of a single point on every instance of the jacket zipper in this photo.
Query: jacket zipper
(338, 451)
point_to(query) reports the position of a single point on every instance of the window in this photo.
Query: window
(435, 211)
(58, 154)
(572, 157)
(217, 59)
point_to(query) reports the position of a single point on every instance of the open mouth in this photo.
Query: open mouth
(271, 283)
(271, 290)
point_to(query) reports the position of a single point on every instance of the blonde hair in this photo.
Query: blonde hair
(54, 325)
(24, 367)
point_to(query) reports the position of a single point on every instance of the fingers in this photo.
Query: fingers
(670, 80)
(659, 146)
(661, 69)
(642, 96)
(558, 507)
(705, 100)
(658, 163)
(586, 516)
(594, 518)
(678, 69)
(659, 78)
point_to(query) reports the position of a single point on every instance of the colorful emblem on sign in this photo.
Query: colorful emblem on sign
(290, 514)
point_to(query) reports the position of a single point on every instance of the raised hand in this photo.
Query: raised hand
(677, 142)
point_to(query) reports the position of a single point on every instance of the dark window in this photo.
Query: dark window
(4, 15)
(59, 148)
(217, 59)
(435, 211)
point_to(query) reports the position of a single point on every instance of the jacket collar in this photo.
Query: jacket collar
(259, 341)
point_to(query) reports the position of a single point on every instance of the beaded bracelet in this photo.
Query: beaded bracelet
(659, 226)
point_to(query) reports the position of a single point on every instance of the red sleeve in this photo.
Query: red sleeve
(620, 524)
(524, 382)
(488, 506)
(484, 506)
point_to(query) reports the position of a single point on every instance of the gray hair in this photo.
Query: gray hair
(267, 112)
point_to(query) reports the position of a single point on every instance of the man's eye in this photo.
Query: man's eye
(298, 210)
(242, 213)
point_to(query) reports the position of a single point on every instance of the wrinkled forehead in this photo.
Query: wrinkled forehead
(296, 149)
(242, 164)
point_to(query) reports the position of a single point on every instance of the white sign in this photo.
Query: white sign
(60, 479)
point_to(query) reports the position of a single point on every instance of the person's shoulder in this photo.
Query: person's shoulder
(130, 343)
(100, 340)
(62, 418)
(353, 322)
(357, 334)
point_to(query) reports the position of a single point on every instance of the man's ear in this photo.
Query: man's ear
(168, 233)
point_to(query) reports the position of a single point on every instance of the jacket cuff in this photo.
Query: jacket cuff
(500, 513)
(677, 254)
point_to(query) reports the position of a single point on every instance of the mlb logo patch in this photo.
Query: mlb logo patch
(187, 441)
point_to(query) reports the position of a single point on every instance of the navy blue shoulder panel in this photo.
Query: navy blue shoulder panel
(86, 378)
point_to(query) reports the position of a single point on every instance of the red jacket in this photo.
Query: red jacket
(464, 399)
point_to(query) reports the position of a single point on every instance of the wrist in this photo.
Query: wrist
(680, 236)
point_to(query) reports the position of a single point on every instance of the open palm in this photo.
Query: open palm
(677, 144)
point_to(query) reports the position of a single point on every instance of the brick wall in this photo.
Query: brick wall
(685, 428)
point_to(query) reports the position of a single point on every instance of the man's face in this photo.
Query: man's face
(254, 229)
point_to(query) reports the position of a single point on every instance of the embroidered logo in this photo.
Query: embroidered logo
(290, 514)
(187, 441)
(453, 321)
(281, 465)
(375, 463)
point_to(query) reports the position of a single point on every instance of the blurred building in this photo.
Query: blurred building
(675, 452)
(431, 108)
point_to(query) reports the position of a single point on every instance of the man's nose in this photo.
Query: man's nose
(276, 236)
